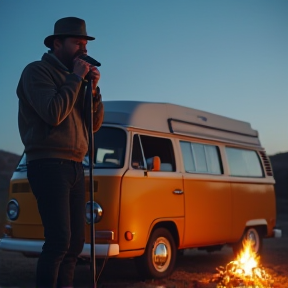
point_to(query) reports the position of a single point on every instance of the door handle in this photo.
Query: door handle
(178, 192)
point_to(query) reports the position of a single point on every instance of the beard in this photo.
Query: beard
(68, 58)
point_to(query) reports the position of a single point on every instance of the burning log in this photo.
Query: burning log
(243, 272)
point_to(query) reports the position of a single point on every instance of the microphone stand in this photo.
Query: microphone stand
(91, 184)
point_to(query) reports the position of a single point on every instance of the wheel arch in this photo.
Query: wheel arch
(150, 265)
(259, 224)
(259, 234)
(170, 225)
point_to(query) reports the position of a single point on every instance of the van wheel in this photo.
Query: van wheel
(251, 234)
(159, 258)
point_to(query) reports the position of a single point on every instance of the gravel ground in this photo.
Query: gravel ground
(194, 268)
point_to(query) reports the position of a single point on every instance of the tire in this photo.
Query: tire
(255, 236)
(159, 258)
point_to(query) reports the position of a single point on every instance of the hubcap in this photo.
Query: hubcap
(161, 254)
(252, 236)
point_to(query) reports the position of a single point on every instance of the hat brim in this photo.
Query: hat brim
(48, 41)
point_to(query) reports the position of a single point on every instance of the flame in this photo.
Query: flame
(247, 260)
(244, 270)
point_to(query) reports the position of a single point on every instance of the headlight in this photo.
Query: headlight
(12, 210)
(97, 212)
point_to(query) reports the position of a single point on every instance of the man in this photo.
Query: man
(53, 127)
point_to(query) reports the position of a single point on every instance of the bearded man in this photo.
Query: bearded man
(53, 126)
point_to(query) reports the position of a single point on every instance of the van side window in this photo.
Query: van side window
(201, 158)
(245, 163)
(154, 146)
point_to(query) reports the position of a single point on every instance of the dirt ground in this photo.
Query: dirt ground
(194, 268)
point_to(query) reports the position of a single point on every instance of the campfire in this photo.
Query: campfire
(245, 271)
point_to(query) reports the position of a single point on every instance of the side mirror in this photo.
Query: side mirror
(153, 163)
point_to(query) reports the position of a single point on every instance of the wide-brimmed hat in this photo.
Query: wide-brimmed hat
(69, 27)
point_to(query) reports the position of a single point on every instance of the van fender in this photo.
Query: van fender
(174, 225)
(259, 224)
(256, 229)
(256, 222)
(252, 223)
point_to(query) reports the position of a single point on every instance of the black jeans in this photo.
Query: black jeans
(59, 188)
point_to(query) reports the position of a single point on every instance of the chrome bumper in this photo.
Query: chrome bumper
(277, 233)
(35, 246)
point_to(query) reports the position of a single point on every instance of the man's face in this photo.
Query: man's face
(70, 48)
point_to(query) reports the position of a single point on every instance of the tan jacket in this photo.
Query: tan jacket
(52, 117)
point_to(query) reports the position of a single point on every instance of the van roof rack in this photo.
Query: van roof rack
(176, 119)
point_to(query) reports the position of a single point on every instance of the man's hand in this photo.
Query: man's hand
(94, 75)
(81, 68)
(84, 69)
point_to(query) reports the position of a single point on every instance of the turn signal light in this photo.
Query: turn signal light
(7, 231)
(128, 235)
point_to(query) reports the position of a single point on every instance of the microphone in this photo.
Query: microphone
(89, 60)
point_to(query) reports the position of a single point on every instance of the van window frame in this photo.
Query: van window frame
(173, 163)
(218, 152)
(245, 176)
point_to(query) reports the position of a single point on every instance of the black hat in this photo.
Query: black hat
(69, 27)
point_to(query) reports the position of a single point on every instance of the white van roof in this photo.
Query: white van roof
(176, 119)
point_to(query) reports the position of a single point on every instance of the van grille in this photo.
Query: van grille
(266, 162)
(21, 188)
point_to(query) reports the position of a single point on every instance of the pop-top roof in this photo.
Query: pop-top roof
(176, 119)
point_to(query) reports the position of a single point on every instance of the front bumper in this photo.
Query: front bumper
(35, 247)
(277, 233)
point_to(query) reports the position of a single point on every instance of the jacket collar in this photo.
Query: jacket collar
(51, 58)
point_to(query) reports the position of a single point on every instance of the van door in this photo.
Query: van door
(147, 196)
(207, 196)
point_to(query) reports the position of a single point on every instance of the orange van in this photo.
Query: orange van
(166, 178)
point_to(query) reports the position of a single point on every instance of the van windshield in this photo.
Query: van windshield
(22, 164)
(109, 148)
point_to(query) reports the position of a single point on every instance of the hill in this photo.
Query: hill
(8, 163)
(280, 169)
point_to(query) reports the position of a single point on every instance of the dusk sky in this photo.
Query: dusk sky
(228, 57)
